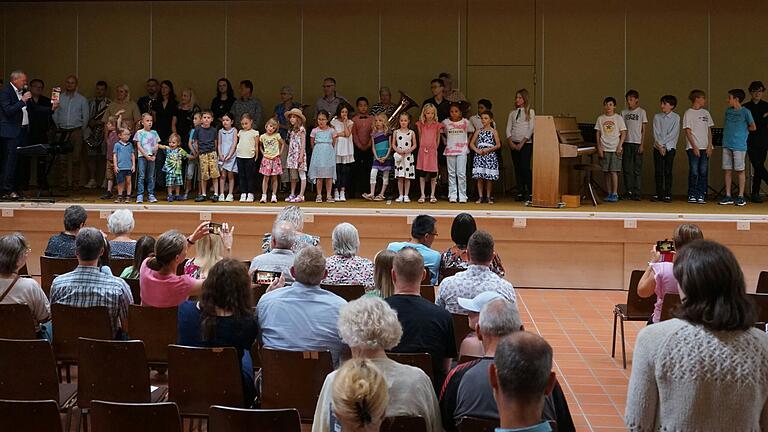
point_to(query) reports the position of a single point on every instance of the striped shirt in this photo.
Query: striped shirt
(87, 286)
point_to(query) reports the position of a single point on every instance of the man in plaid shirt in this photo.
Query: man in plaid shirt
(88, 286)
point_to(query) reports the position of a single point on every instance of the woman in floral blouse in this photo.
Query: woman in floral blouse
(344, 267)
(455, 259)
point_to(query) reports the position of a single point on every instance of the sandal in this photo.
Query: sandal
(379, 198)
(368, 196)
(421, 200)
(490, 200)
(298, 199)
(330, 199)
(479, 200)
(432, 200)
(319, 199)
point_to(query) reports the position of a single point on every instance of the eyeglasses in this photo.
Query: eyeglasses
(327, 85)
(433, 234)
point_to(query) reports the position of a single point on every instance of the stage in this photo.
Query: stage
(582, 248)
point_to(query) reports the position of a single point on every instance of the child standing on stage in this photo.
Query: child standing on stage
(147, 141)
(113, 124)
(738, 123)
(227, 147)
(426, 161)
(382, 161)
(485, 165)
(246, 155)
(666, 131)
(322, 167)
(205, 142)
(193, 168)
(297, 153)
(403, 143)
(697, 122)
(271, 146)
(174, 160)
(611, 132)
(520, 125)
(635, 119)
(124, 162)
(345, 150)
(456, 149)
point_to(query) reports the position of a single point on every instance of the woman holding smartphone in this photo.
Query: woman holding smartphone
(210, 250)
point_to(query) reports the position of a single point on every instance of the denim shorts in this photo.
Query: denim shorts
(122, 175)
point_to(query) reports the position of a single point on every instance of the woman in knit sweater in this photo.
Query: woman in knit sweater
(707, 370)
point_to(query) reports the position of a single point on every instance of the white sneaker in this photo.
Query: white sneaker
(242, 197)
(342, 196)
(229, 198)
(221, 197)
(249, 198)
(406, 199)
(336, 195)
(399, 199)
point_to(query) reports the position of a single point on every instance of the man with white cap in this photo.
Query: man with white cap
(472, 345)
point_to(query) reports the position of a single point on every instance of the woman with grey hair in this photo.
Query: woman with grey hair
(294, 215)
(344, 267)
(121, 224)
(14, 251)
(370, 327)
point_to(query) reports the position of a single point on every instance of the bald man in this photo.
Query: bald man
(72, 116)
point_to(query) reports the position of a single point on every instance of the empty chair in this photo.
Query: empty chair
(130, 417)
(37, 415)
(422, 361)
(635, 309)
(762, 283)
(226, 419)
(347, 292)
(16, 322)
(71, 323)
(404, 424)
(428, 291)
(201, 377)
(761, 303)
(293, 379)
(156, 327)
(133, 284)
(50, 267)
(460, 328)
(671, 302)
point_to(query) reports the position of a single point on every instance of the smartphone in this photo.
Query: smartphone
(265, 277)
(667, 250)
(214, 228)
(55, 93)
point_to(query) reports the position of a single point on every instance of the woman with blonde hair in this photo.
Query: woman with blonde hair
(210, 250)
(382, 273)
(122, 105)
(359, 396)
(520, 125)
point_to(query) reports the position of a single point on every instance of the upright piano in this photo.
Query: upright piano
(558, 146)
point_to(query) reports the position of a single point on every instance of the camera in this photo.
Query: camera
(667, 250)
(214, 228)
(265, 277)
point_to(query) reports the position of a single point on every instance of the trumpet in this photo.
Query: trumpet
(406, 103)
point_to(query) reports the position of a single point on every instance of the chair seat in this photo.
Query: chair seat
(67, 393)
(621, 310)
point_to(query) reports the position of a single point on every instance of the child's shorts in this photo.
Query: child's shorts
(611, 162)
(209, 166)
(192, 169)
(271, 167)
(109, 173)
(174, 179)
(733, 159)
(122, 175)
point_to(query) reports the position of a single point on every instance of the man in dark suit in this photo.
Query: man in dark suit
(14, 125)
(40, 112)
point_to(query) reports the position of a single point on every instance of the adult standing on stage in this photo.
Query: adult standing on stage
(72, 117)
(14, 125)
(95, 136)
(165, 111)
(124, 105)
(330, 100)
(222, 103)
(757, 142)
(147, 102)
(384, 105)
(185, 116)
(443, 105)
(247, 103)
(40, 111)
(450, 93)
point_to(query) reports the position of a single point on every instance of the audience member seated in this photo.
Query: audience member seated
(472, 345)
(382, 273)
(370, 327)
(455, 259)
(423, 233)
(223, 317)
(280, 257)
(160, 285)
(14, 251)
(521, 376)
(303, 316)
(344, 267)
(121, 224)
(359, 397)
(145, 246)
(210, 250)
(467, 390)
(295, 215)
(88, 286)
(705, 369)
(477, 278)
(659, 277)
(62, 245)
(426, 328)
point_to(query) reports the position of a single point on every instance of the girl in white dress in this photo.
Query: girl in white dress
(345, 150)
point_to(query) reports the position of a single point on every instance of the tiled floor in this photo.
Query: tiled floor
(579, 324)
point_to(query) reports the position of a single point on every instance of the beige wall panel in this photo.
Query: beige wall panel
(501, 32)
(182, 53)
(341, 42)
(112, 51)
(417, 43)
(264, 40)
(47, 53)
(583, 56)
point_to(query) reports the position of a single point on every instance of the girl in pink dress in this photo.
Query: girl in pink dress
(426, 162)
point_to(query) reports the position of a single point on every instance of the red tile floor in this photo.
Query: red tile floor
(579, 324)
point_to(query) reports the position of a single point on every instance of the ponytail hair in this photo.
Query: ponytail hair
(360, 393)
(168, 246)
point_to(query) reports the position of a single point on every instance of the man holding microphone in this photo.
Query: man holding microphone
(14, 126)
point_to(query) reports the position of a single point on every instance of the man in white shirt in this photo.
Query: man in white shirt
(72, 116)
(14, 126)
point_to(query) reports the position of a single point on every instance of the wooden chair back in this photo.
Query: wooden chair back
(671, 302)
(49, 267)
(404, 424)
(117, 265)
(477, 424)
(258, 291)
(201, 377)
(428, 291)
(28, 370)
(130, 417)
(293, 379)
(427, 278)
(71, 323)
(226, 419)
(114, 371)
(347, 292)
(422, 361)
(36, 415)
(461, 328)
(761, 304)
(156, 327)
(762, 283)
(133, 284)
(16, 322)
(636, 305)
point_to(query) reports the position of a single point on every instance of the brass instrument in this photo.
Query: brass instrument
(406, 103)
(96, 137)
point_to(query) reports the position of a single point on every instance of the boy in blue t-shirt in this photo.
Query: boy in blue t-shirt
(738, 124)
(124, 160)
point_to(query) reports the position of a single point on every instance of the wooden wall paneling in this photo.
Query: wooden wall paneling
(501, 32)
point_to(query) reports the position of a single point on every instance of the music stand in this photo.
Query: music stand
(60, 145)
